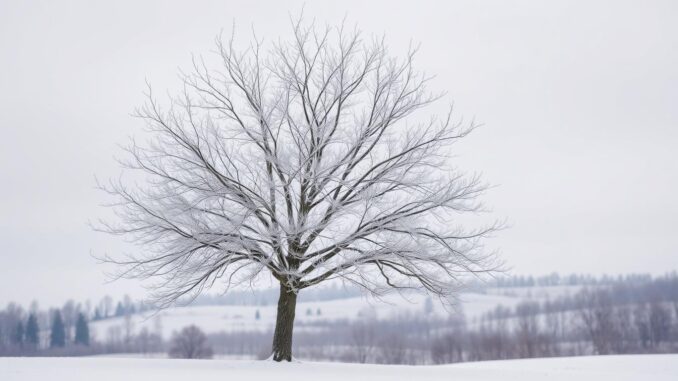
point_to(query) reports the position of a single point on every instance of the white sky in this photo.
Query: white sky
(578, 99)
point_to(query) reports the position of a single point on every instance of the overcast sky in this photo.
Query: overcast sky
(578, 101)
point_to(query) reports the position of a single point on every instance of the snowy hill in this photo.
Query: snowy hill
(232, 318)
(618, 368)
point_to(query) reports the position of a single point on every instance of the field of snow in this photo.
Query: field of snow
(617, 368)
(231, 318)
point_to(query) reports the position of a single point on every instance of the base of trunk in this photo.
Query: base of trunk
(284, 324)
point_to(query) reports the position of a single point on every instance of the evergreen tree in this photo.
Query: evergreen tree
(97, 314)
(57, 338)
(119, 309)
(32, 331)
(18, 335)
(82, 331)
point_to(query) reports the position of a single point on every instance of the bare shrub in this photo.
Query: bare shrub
(190, 343)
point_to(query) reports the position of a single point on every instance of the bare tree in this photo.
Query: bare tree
(105, 306)
(450, 347)
(306, 164)
(128, 327)
(190, 343)
(363, 339)
(527, 328)
(393, 349)
(660, 322)
(145, 341)
(597, 317)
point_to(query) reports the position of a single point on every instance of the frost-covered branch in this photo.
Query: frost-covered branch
(307, 159)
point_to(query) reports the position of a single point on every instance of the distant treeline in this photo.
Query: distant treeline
(61, 331)
(626, 315)
(606, 315)
(555, 279)
(617, 316)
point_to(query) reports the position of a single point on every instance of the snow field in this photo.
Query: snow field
(600, 368)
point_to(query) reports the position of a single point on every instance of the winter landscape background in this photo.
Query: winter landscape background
(518, 317)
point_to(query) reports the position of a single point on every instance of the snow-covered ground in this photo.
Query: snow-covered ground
(617, 368)
(231, 318)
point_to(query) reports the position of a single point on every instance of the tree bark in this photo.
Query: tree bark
(284, 324)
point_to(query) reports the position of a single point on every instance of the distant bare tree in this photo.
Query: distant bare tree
(527, 328)
(114, 340)
(147, 342)
(500, 345)
(554, 327)
(128, 326)
(105, 306)
(450, 347)
(628, 341)
(597, 316)
(308, 164)
(660, 323)
(446, 350)
(190, 343)
(363, 338)
(69, 312)
(393, 349)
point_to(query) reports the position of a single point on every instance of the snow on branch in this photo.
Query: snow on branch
(308, 161)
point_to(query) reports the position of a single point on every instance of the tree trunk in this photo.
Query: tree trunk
(284, 324)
